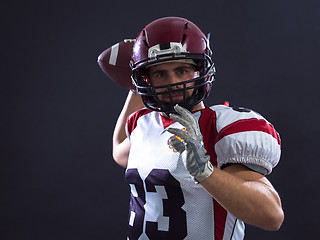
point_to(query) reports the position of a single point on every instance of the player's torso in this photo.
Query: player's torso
(165, 203)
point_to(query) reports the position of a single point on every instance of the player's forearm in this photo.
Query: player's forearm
(132, 104)
(254, 202)
(121, 145)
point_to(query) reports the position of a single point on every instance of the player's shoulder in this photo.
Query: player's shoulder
(226, 114)
(246, 137)
(139, 113)
(135, 116)
(234, 111)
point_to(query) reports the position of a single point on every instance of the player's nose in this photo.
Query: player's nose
(172, 79)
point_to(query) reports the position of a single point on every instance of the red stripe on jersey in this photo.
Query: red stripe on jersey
(225, 103)
(220, 217)
(166, 121)
(207, 123)
(251, 124)
(132, 119)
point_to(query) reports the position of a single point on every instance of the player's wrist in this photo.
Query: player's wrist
(208, 170)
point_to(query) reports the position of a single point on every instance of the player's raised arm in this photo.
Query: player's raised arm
(114, 62)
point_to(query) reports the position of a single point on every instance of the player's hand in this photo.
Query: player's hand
(197, 163)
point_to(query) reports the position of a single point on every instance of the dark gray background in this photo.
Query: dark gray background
(58, 109)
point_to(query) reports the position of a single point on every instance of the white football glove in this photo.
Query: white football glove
(197, 163)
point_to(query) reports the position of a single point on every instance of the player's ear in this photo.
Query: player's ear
(144, 73)
(146, 79)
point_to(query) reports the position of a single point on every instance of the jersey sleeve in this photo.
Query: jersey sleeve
(130, 124)
(132, 120)
(246, 137)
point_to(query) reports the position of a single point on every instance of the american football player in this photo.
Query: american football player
(195, 172)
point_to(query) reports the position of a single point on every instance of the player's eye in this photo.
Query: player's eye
(181, 71)
(158, 75)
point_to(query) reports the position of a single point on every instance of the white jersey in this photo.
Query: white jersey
(166, 203)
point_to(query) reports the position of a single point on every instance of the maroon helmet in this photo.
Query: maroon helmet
(172, 39)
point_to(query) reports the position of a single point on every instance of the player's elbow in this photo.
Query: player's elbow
(119, 159)
(120, 152)
(274, 220)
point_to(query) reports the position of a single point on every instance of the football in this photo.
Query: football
(115, 60)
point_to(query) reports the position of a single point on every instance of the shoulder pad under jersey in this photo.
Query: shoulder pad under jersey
(246, 137)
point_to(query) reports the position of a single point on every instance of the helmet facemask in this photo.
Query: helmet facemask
(200, 84)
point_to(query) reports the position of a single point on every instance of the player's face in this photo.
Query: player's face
(171, 73)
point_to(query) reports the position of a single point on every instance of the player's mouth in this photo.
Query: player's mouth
(177, 97)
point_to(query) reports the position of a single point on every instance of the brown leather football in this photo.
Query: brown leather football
(115, 60)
